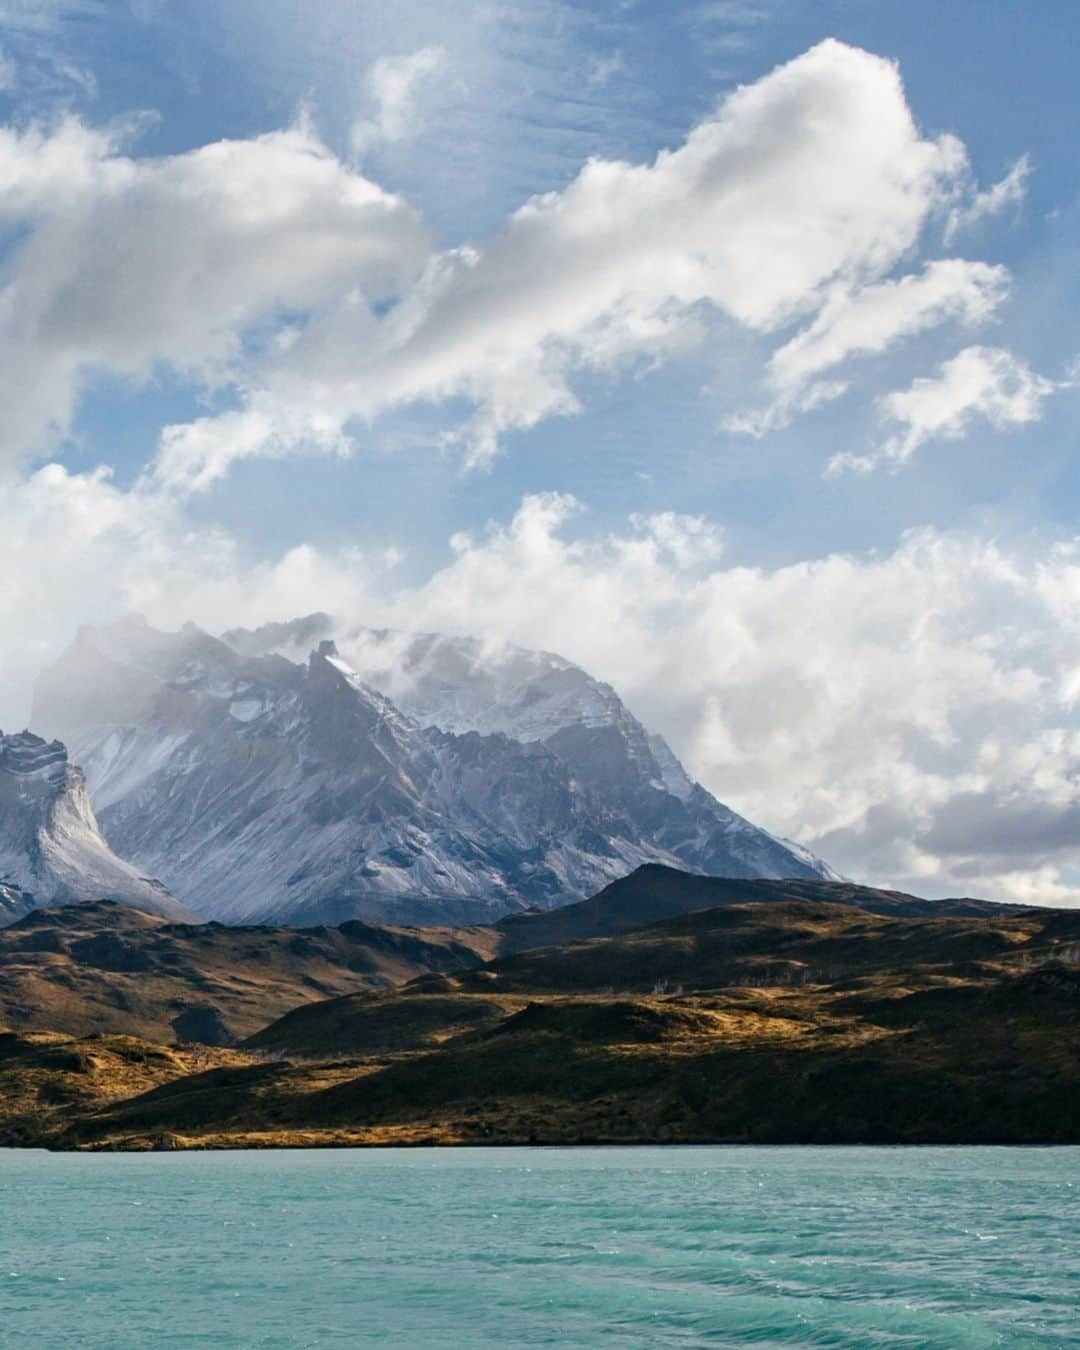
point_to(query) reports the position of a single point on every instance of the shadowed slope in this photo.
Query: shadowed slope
(654, 892)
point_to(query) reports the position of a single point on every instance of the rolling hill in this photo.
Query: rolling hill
(783, 1020)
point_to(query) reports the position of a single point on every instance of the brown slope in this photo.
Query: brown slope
(654, 892)
(923, 1031)
(47, 1079)
(773, 943)
(361, 1025)
(104, 968)
(994, 1063)
(764, 945)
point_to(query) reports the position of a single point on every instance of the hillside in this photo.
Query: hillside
(776, 947)
(655, 892)
(103, 968)
(785, 1021)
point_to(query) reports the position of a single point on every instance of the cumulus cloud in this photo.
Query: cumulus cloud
(269, 269)
(116, 264)
(984, 383)
(395, 84)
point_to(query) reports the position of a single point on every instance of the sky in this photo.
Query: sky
(730, 348)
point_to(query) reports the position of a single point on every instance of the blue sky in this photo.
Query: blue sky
(520, 118)
(386, 399)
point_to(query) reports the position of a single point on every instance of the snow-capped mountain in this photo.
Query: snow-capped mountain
(459, 684)
(259, 786)
(456, 683)
(51, 849)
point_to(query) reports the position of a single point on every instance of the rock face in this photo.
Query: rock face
(264, 787)
(14, 904)
(51, 849)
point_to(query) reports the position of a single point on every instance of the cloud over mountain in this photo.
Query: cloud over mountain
(856, 703)
(862, 699)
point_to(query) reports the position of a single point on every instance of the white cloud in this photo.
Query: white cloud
(1009, 191)
(193, 455)
(197, 260)
(985, 383)
(118, 264)
(395, 86)
(867, 321)
(743, 220)
(911, 715)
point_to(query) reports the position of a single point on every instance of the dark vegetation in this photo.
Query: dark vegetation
(676, 1009)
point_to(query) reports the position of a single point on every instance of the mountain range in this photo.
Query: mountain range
(394, 777)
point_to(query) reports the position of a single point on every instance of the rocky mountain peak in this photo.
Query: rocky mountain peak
(51, 848)
(27, 756)
(366, 773)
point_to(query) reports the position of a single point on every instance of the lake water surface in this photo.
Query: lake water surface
(582, 1247)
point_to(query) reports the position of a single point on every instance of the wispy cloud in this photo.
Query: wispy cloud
(865, 321)
(396, 86)
(1009, 191)
(39, 63)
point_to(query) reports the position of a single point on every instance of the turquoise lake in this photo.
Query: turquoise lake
(583, 1247)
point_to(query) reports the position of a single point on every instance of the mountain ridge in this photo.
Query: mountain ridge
(654, 892)
(262, 789)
